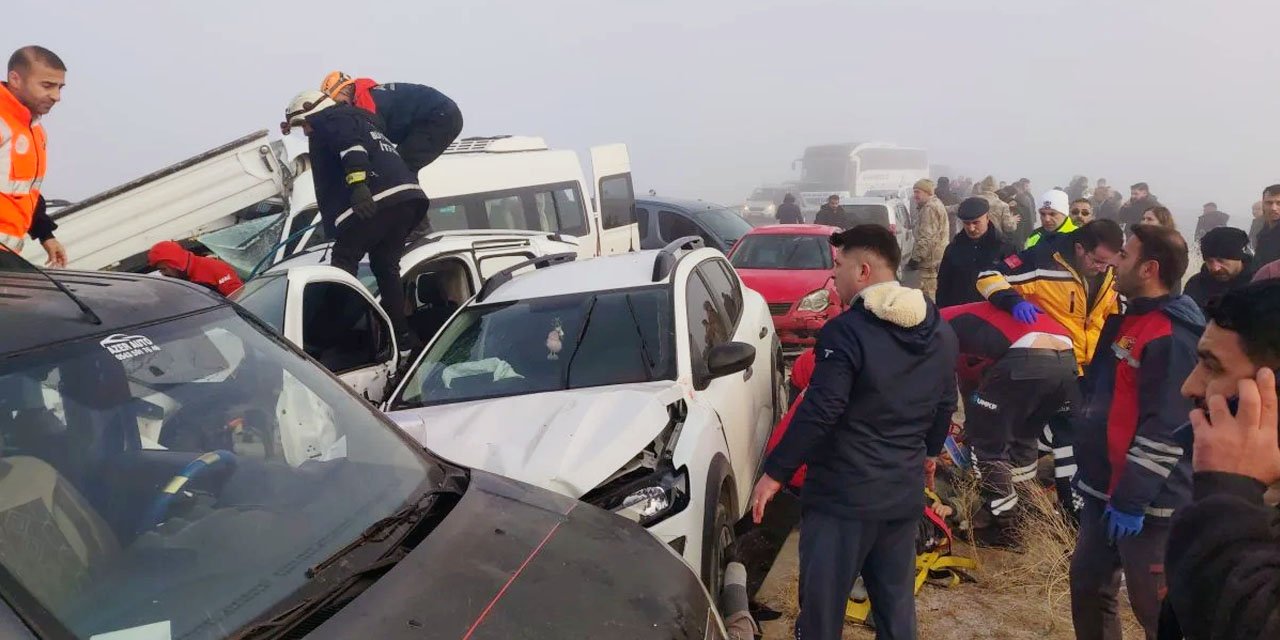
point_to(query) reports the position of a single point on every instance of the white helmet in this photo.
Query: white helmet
(305, 104)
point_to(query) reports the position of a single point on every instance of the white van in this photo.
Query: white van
(510, 183)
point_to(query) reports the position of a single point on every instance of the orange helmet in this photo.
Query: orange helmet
(335, 82)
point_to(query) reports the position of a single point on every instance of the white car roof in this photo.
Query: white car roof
(438, 243)
(624, 271)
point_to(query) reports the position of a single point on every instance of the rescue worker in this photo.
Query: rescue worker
(832, 214)
(369, 199)
(32, 87)
(1132, 473)
(1140, 199)
(1223, 557)
(1013, 378)
(865, 436)
(1268, 236)
(421, 121)
(1081, 212)
(1054, 217)
(789, 212)
(978, 247)
(1227, 265)
(1210, 219)
(1067, 276)
(931, 236)
(172, 260)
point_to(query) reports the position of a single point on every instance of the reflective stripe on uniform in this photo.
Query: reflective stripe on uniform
(342, 217)
(1040, 274)
(1003, 505)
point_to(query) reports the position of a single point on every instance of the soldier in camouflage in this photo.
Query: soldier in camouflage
(932, 234)
(1006, 221)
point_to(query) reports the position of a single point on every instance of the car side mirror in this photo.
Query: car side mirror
(729, 358)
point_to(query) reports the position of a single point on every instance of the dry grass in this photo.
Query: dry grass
(1041, 571)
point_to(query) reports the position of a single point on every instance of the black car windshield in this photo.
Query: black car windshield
(178, 479)
(727, 225)
(778, 251)
(547, 344)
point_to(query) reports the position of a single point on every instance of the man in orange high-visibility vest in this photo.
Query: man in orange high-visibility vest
(34, 84)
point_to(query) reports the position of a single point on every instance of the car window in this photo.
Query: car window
(770, 251)
(727, 225)
(705, 325)
(101, 433)
(617, 201)
(642, 221)
(545, 203)
(673, 226)
(341, 329)
(547, 344)
(725, 287)
(505, 213)
(264, 297)
(868, 214)
(569, 208)
(447, 217)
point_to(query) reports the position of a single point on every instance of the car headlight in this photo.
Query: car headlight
(817, 301)
(771, 208)
(746, 208)
(649, 499)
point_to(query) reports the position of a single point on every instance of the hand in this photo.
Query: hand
(1121, 525)
(56, 252)
(1017, 219)
(1026, 312)
(362, 201)
(1244, 443)
(913, 263)
(765, 490)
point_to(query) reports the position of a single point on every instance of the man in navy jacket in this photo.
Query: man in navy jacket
(421, 121)
(1132, 474)
(369, 200)
(879, 402)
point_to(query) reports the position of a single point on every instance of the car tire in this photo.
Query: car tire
(717, 540)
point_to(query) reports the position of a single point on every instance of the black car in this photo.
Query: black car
(172, 468)
(663, 220)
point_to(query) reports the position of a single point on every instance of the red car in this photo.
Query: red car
(790, 265)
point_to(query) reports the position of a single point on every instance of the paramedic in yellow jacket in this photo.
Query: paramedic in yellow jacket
(1067, 276)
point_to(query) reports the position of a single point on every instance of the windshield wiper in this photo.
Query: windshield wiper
(577, 343)
(647, 359)
(334, 581)
(9, 258)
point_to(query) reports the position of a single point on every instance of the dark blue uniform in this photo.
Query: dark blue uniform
(880, 401)
(420, 120)
(345, 140)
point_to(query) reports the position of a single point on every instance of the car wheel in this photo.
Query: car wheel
(717, 543)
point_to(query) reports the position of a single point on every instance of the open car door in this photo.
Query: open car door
(615, 200)
(336, 321)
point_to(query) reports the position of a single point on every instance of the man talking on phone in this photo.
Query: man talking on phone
(1223, 558)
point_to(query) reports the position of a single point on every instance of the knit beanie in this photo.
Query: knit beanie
(1225, 243)
(925, 185)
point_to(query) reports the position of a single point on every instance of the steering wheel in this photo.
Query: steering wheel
(159, 509)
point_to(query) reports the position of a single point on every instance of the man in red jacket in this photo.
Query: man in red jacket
(169, 258)
(1013, 378)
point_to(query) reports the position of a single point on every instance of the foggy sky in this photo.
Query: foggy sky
(713, 97)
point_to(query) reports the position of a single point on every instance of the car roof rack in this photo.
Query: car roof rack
(502, 277)
(667, 258)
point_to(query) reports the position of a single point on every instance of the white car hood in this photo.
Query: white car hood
(565, 441)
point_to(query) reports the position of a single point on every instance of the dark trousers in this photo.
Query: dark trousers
(758, 545)
(430, 137)
(382, 238)
(1004, 418)
(834, 552)
(1059, 439)
(1095, 575)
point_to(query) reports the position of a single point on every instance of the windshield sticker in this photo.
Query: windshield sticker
(124, 347)
(153, 631)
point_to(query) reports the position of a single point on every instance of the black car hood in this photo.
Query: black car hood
(515, 561)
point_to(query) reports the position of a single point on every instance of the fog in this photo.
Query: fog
(713, 97)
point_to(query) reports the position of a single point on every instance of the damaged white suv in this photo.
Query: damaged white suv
(644, 383)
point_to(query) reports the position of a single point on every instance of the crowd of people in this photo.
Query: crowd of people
(1080, 339)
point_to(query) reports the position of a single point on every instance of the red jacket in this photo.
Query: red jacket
(210, 272)
(801, 372)
(985, 333)
(364, 99)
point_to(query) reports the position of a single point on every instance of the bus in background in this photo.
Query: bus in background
(859, 169)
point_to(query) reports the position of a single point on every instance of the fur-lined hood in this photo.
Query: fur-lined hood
(914, 321)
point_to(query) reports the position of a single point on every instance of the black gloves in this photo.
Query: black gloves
(362, 201)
